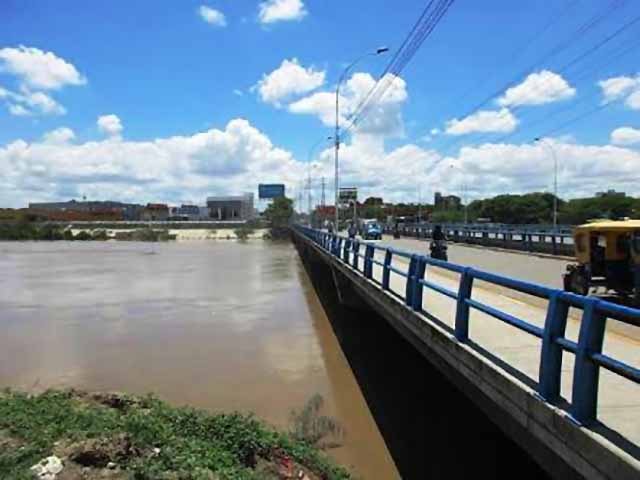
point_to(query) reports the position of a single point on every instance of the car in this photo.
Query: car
(372, 231)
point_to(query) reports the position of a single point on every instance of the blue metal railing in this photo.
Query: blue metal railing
(589, 358)
(519, 237)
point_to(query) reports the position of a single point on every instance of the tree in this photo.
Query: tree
(279, 214)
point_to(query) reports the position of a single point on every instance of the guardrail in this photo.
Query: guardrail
(524, 238)
(589, 358)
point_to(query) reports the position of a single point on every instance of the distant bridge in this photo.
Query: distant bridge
(502, 342)
(529, 238)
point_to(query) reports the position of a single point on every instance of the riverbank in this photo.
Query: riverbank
(71, 434)
(50, 232)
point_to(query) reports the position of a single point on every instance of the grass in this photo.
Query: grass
(146, 438)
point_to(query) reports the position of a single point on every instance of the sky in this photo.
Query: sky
(173, 101)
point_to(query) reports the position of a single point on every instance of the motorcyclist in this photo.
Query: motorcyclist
(438, 245)
(438, 234)
(352, 230)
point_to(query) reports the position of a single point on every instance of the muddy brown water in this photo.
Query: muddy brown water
(215, 325)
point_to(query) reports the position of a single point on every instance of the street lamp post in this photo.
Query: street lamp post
(545, 142)
(337, 134)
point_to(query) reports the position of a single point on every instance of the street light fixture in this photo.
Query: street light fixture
(336, 137)
(548, 144)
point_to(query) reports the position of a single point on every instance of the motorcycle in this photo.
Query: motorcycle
(438, 250)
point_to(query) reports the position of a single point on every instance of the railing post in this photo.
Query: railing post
(554, 242)
(411, 275)
(385, 270)
(586, 373)
(462, 307)
(368, 261)
(421, 266)
(551, 356)
(345, 250)
(356, 251)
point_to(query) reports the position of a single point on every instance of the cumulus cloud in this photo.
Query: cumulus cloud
(30, 103)
(59, 136)
(538, 89)
(18, 110)
(39, 69)
(212, 16)
(218, 161)
(289, 79)
(483, 121)
(384, 117)
(237, 157)
(273, 11)
(622, 88)
(625, 136)
(110, 125)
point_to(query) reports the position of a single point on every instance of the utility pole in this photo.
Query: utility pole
(336, 138)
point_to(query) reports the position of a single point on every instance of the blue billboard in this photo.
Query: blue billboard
(270, 190)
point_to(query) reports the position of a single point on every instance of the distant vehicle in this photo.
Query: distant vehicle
(372, 231)
(608, 255)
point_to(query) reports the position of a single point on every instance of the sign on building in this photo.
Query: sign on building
(270, 190)
(348, 195)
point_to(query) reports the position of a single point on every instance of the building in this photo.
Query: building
(610, 193)
(155, 212)
(188, 213)
(230, 208)
(127, 211)
(446, 202)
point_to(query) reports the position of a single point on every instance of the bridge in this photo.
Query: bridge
(529, 238)
(555, 371)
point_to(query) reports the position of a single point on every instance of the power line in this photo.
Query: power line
(580, 57)
(427, 22)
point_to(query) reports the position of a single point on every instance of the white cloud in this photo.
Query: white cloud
(110, 125)
(59, 136)
(384, 117)
(622, 88)
(633, 100)
(538, 89)
(289, 79)
(42, 103)
(30, 103)
(483, 121)
(273, 11)
(18, 110)
(625, 136)
(218, 161)
(238, 92)
(212, 16)
(237, 157)
(39, 69)
(321, 104)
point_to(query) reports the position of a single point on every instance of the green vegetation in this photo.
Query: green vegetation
(279, 214)
(309, 425)
(30, 231)
(243, 232)
(145, 235)
(145, 438)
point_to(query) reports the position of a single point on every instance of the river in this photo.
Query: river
(219, 325)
